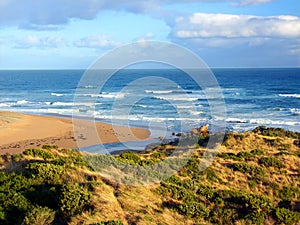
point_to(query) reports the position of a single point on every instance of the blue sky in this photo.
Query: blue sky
(67, 34)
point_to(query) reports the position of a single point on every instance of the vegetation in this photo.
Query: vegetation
(252, 180)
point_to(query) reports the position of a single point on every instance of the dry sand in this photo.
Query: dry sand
(21, 131)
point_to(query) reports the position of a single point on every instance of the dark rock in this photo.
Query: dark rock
(297, 143)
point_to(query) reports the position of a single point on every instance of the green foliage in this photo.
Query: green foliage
(74, 158)
(45, 172)
(110, 222)
(206, 191)
(38, 153)
(223, 216)
(276, 132)
(289, 193)
(129, 157)
(73, 199)
(251, 201)
(39, 216)
(158, 155)
(237, 157)
(245, 155)
(193, 209)
(286, 216)
(249, 169)
(229, 156)
(255, 218)
(49, 147)
(272, 162)
(257, 152)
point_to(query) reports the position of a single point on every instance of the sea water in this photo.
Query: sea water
(252, 97)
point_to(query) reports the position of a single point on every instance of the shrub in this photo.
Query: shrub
(45, 172)
(255, 202)
(288, 193)
(276, 132)
(255, 218)
(72, 160)
(206, 192)
(110, 222)
(39, 215)
(286, 216)
(272, 162)
(38, 153)
(247, 200)
(229, 156)
(249, 169)
(158, 155)
(73, 199)
(244, 155)
(49, 147)
(129, 157)
(193, 209)
(223, 216)
(257, 152)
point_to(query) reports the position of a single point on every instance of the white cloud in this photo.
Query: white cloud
(49, 14)
(96, 41)
(202, 25)
(252, 2)
(32, 41)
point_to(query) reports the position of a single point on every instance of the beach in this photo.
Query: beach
(23, 131)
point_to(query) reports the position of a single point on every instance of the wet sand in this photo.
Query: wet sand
(21, 131)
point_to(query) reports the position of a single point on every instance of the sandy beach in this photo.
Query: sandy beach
(22, 131)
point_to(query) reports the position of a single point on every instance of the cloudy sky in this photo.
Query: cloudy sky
(63, 34)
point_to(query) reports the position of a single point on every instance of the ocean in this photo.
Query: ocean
(252, 97)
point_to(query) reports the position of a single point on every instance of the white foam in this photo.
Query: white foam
(57, 94)
(6, 104)
(295, 111)
(159, 91)
(104, 95)
(22, 102)
(236, 120)
(290, 95)
(173, 98)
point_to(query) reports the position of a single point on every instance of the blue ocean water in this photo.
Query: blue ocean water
(252, 97)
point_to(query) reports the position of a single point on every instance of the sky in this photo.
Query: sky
(72, 34)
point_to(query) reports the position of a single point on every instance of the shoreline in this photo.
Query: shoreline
(21, 131)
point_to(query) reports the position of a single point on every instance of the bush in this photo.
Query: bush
(288, 193)
(38, 153)
(286, 216)
(276, 132)
(223, 216)
(272, 162)
(129, 157)
(73, 199)
(110, 222)
(229, 156)
(244, 155)
(255, 218)
(249, 169)
(257, 152)
(247, 200)
(46, 172)
(193, 209)
(49, 147)
(39, 216)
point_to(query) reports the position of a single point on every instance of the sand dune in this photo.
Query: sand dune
(22, 131)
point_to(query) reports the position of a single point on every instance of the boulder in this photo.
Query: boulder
(203, 130)
(194, 132)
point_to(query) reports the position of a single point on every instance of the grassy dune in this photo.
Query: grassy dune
(254, 179)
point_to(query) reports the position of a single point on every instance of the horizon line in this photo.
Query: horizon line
(266, 67)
